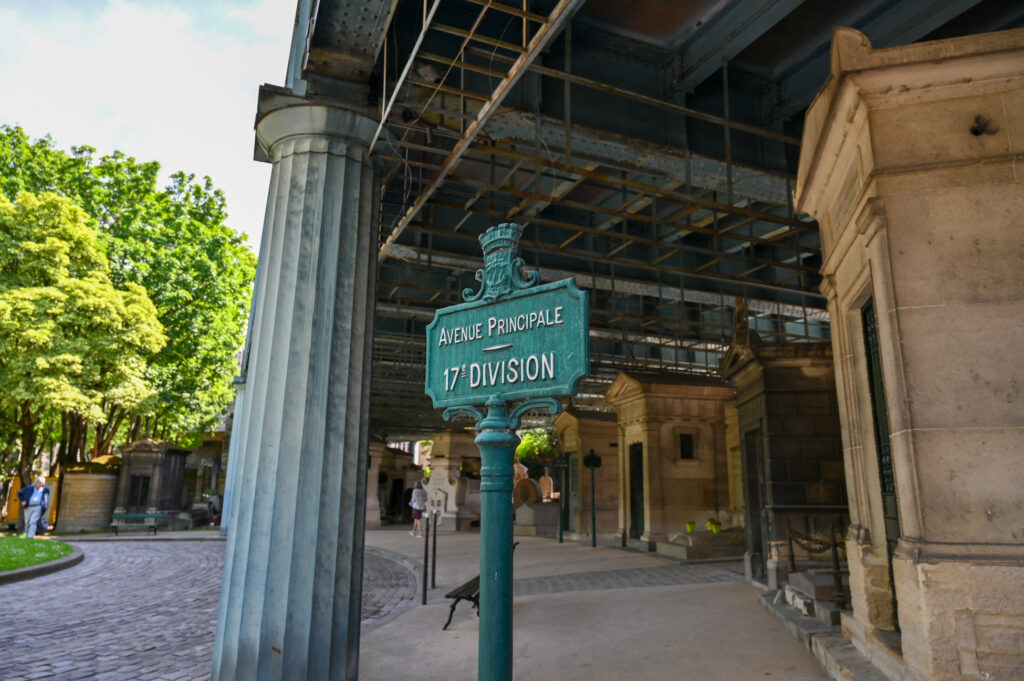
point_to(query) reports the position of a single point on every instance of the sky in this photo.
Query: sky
(173, 81)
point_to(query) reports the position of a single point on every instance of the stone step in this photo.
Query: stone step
(825, 611)
(818, 584)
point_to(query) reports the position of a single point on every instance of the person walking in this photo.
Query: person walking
(419, 504)
(33, 505)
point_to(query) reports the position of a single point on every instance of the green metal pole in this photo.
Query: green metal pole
(497, 443)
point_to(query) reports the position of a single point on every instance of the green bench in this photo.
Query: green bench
(130, 521)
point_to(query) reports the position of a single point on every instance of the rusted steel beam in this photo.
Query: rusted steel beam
(636, 217)
(562, 12)
(462, 65)
(648, 188)
(538, 18)
(587, 256)
(659, 103)
(627, 238)
(449, 90)
(486, 40)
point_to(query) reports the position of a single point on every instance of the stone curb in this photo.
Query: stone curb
(112, 538)
(32, 571)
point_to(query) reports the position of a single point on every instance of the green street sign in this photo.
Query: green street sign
(532, 343)
(512, 338)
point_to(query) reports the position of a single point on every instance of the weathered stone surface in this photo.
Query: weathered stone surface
(922, 217)
(86, 501)
(290, 602)
(654, 411)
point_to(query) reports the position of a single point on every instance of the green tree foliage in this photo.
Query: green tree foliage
(174, 243)
(538, 443)
(73, 343)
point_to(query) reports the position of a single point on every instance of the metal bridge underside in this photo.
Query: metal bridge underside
(647, 146)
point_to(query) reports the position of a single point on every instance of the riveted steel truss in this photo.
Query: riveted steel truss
(665, 239)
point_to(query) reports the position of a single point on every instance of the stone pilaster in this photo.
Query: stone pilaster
(654, 502)
(293, 567)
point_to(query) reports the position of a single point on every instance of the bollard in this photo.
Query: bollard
(426, 555)
(433, 557)
(561, 507)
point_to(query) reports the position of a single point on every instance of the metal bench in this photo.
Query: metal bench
(470, 591)
(125, 521)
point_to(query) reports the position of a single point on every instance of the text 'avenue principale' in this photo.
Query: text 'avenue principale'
(501, 326)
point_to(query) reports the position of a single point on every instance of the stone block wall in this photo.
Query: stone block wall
(86, 501)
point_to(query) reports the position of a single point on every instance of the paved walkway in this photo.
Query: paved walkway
(141, 609)
(145, 610)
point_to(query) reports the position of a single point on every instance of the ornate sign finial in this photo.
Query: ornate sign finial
(502, 273)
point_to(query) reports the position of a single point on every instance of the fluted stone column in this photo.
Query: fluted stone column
(236, 451)
(293, 569)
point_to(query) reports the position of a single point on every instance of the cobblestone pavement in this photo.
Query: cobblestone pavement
(689, 573)
(144, 611)
(129, 611)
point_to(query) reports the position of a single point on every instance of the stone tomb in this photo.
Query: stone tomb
(152, 477)
(454, 484)
(790, 446)
(673, 465)
(911, 163)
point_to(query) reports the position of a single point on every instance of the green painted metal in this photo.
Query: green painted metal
(511, 340)
(497, 442)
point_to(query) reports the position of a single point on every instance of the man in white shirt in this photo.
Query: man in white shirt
(33, 506)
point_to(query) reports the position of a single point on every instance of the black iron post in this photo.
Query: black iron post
(426, 555)
(592, 461)
(433, 551)
(561, 508)
(593, 508)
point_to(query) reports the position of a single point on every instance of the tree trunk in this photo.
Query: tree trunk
(27, 424)
(65, 438)
(83, 440)
(133, 432)
(113, 423)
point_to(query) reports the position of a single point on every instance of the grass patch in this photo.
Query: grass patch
(18, 552)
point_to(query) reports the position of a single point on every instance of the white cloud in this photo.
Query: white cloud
(153, 81)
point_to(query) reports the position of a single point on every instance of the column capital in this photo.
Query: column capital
(286, 125)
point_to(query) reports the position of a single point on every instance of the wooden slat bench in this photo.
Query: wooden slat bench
(131, 521)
